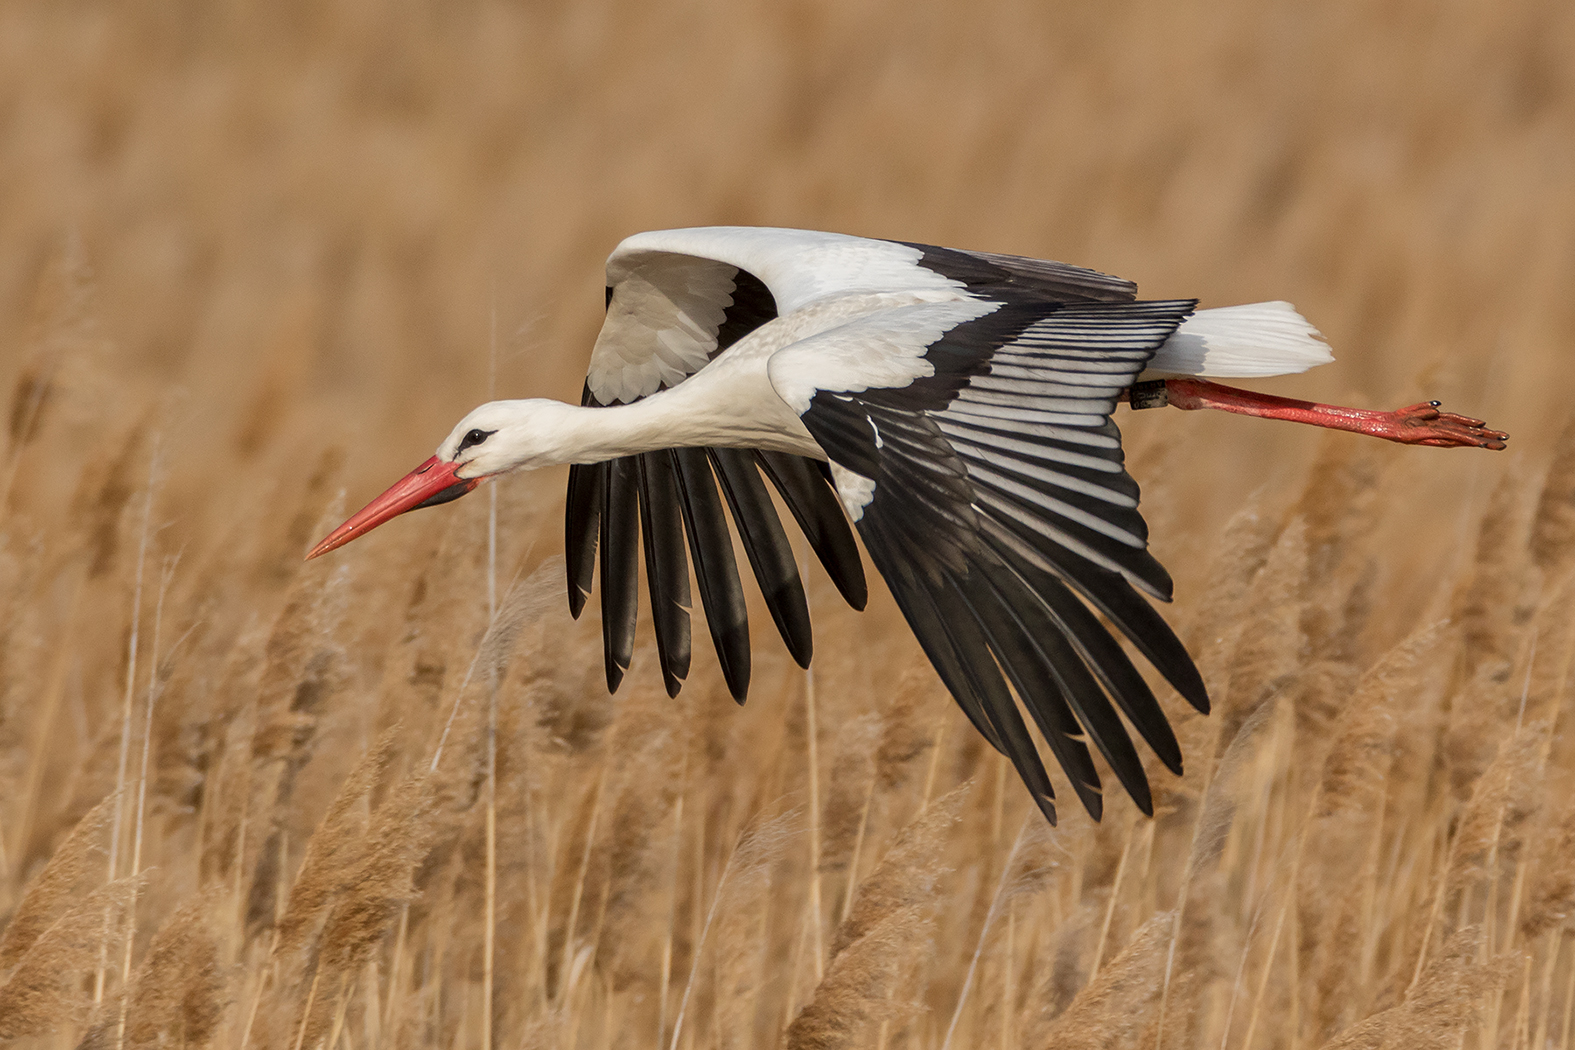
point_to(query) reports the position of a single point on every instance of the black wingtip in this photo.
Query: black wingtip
(1092, 796)
(673, 684)
(1195, 693)
(733, 653)
(1148, 575)
(1143, 797)
(847, 573)
(614, 675)
(1172, 762)
(737, 687)
(1047, 807)
(577, 601)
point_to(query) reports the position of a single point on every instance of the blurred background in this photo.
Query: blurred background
(256, 259)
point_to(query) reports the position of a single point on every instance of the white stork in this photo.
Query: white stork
(956, 405)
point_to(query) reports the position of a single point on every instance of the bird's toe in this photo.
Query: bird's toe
(1448, 430)
(1425, 412)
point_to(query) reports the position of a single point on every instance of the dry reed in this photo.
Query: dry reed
(380, 809)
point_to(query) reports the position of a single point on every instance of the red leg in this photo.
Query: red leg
(1420, 424)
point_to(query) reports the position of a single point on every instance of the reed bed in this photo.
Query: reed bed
(254, 263)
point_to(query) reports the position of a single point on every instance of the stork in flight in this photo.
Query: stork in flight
(954, 405)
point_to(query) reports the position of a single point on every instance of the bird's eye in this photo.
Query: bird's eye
(474, 437)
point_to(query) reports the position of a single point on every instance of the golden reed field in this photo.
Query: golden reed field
(255, 259)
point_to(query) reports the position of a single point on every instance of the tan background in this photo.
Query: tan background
(282, 242)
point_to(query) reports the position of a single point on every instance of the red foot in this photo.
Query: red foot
(1420, 424)
(1424, 424)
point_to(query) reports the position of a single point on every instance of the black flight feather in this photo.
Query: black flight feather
(920, 613)
(813, 501)
(1031, 674)
(620, 554)
(962, 628)
(582, 515)
(1049, 652)
(666, 565)
(582, 512)
(1099, 651)
(766, 544)
(711, 548)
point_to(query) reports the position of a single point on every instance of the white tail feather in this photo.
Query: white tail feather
(1258, 339)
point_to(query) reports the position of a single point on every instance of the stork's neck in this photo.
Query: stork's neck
(574, 434)
(542, 433)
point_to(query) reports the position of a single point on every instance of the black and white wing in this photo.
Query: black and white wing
(669, 313)
(972, 443)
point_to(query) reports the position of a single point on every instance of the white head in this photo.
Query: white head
(501, 436)
(498, 437)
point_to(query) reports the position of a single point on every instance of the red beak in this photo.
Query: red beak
(431, 483)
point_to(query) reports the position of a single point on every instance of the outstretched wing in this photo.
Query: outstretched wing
(987, 482)
(676, 299)
(668, 314)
